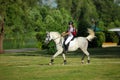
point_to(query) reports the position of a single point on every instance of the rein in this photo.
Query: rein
(56, 38)
(60, 42)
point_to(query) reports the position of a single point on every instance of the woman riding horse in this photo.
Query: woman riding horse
(69, 34)
(78, 42)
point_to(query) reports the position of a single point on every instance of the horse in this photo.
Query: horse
(78, 42)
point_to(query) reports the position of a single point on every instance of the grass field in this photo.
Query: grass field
(105, 65)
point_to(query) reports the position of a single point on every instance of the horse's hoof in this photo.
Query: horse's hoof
(65, 62)
(82, 62)
(50, 63)
(88, 61)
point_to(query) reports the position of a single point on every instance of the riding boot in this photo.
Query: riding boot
(66, 48)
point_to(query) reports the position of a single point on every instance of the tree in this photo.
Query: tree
(67, 4)
(1, 33)
(26, 17)
(88, 11)
(2, 16)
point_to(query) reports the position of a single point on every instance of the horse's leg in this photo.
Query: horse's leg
(55, 55)
(82, 60)
(65, 62)
(87, 54)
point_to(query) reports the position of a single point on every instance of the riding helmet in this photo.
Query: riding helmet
(70, 23)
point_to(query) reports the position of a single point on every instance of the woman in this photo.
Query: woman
(69, 36)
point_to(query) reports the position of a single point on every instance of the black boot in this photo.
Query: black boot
(66, 48)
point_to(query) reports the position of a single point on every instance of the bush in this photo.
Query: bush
(19, 43)
(97, 42)
(39, 45)
(51, 48)
(40, 36)
(112, 37)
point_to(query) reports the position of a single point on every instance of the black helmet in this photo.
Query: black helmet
(70, 23)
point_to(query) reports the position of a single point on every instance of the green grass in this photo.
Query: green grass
(105, 65)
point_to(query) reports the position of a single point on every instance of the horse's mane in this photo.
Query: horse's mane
(55, 34)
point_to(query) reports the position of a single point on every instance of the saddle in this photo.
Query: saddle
(66, 46)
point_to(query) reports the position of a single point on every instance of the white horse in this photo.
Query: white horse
(78, 42)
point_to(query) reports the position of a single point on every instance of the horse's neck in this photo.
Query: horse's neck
(59, 40)
(56, 37)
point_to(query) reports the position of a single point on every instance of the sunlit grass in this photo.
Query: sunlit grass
(34, 66)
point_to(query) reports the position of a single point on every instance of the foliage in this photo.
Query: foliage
(29, 17)
(100, 38)
(40, 36)
(117, 23)
(112, 37)
(101, 26)
(107, 10)
(20, 43)
(51, 48)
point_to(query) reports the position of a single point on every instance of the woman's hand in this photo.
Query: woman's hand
(64, 34)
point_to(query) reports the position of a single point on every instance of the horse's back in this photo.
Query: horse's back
(82, 42)
(81, 39)
(78, 42)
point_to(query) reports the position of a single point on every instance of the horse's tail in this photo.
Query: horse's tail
(91, 35)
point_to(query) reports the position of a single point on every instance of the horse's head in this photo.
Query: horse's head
(55, 36)
(48, 37)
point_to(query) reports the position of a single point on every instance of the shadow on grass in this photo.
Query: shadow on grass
(21, 52)
(111, 52)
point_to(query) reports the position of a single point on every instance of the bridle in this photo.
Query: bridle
(48, 36)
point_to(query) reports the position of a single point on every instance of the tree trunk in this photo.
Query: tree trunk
(1, 36)
(1, 43)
